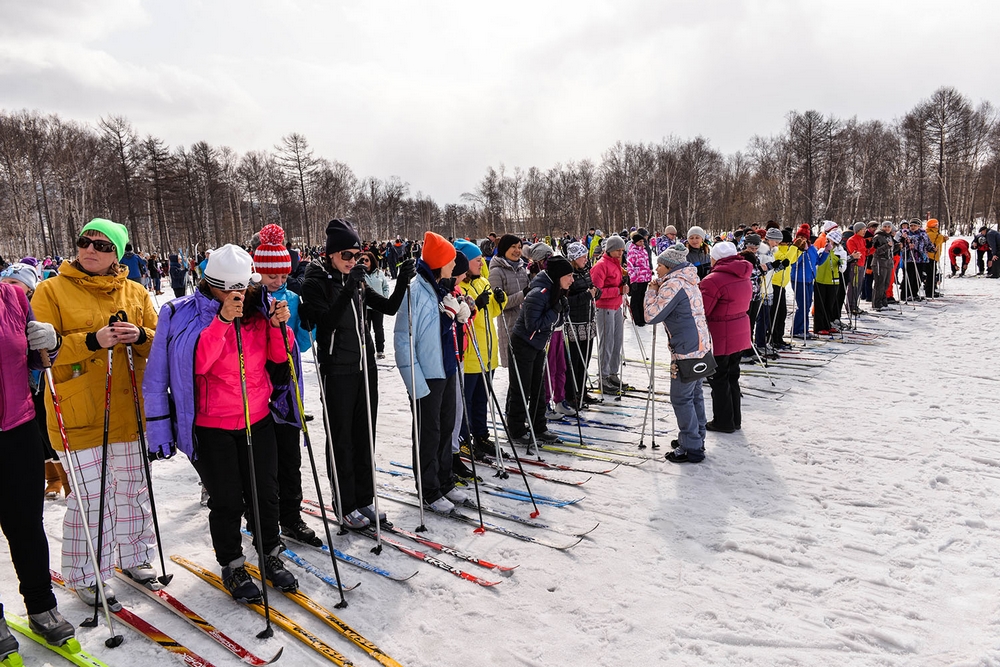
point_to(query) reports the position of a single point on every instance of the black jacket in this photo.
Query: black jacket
(334, 311)
(538, 317)
(581, 303)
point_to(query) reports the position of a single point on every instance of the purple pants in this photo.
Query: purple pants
(556, 370)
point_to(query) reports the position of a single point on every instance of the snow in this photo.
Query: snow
(853, 521)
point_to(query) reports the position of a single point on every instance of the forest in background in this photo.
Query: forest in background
(942, 158)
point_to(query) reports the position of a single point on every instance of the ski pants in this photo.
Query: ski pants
(21, 506)
(981, 261)
(555, 380)
(348, 409)
(289, 442)
(688, 401)
(930, 273)
(376, 323)
(826, 306)
(778, 318)
(637, 294)
(476, 393)
(526, 373)
(803, 303)
(611, 329)
(727, 410)
(458, 430)
(436, 416)
(912, 277)
(855, 275)
(762, 324)
(882, 270)
(224, 466)
(127, 528)
(579, 358)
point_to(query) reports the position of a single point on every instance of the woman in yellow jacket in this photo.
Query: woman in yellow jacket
(785, 253)
(932, 277)
(79, 303)
(484, 329)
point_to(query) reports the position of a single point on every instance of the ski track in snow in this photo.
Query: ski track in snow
(853, 521)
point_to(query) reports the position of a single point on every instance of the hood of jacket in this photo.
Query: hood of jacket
(735, 265)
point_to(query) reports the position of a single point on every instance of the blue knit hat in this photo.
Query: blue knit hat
(468, 248)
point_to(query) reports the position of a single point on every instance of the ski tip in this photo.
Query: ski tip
(12, 660)
(274, 658)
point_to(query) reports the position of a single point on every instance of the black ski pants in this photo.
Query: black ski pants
(436, 417)
(289, 442)
(826, 306)
(376, 323)
(576, 376)
(348, 409)
(22, 495)
(727, 410)
(224, 466)
(882, 271)
(779, 316)
(526, 372)
(637, 294)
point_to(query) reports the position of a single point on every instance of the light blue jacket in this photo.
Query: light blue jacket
(294, 323)
(429, 364)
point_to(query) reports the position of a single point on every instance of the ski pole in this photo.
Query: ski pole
(144, 455)
(416, 413)
(300, 409)
(524, 396)
(572, 374)
(268, 631)
(465, 420)
(92, 622)
(359, 314)
(114, 640)
(501, 472)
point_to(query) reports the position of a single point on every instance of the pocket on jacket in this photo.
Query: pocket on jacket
(201, 393)
(76, 402)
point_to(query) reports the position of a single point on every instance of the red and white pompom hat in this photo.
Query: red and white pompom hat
(271, 257)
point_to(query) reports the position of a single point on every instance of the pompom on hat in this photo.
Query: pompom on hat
(230, 268)
(271, 257)
(804, 230)
(436, 251)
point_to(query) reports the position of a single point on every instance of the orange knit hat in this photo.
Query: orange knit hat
(932, 223)
(437, 251)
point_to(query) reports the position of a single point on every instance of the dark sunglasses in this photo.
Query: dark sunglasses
(99, 245)
(347, 255)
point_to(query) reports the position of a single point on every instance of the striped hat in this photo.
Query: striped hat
(271, 257)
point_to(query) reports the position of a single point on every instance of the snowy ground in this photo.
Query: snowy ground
(853, 521)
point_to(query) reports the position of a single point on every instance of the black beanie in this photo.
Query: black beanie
(786, 235)
(461, 264)
(505, 242)
(340, 235)
(557, 267)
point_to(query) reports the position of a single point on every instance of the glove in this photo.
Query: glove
(800, 243)
(781, 264)
(41, 336)
(483, 300)
(356, 276)
(527, 288)
(407, 271)
(500, 296)
(464, 311)
(450, 305)
(162, 451)
(562, 305)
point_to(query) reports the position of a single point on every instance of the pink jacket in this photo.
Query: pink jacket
(726, 292)
(218, 395)
(639, 270)
(608, 277)
(16, 406)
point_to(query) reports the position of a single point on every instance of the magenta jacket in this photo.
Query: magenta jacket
(608, 277)
(16, 405)
(726, 292)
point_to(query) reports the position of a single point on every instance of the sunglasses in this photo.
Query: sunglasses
(99, 245)
(347, 255)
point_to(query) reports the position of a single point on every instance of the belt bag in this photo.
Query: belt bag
(689, 370)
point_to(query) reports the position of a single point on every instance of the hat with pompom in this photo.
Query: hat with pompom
(805, 231)
(271, 257)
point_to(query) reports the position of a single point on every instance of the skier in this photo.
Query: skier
(803, 276)
(959, 248)
(698, 251)
(194, 403)
(21, 451)
(579, 327)
(982, 249)
(376, 279)
(543, 310)
(78, 303)
(674, 299)
(993, 245)
(932, 276)
(639, 273)
(177, 276)
(507, 272)
(435, 312)
(609, 277)
(882, 265)
(330, 302)
(726, 297)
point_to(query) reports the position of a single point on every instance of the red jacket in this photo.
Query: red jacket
(609, 277)
(857, 244)
(959, 247)
(726, 292)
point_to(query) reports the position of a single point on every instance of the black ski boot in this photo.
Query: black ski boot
(300, 532)
(8, 642)
(280, 578)
(484, 447)
(51, 625)
(460, 470)
(237, 581)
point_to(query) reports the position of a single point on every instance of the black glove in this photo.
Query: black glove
(598, 294)
(527, 288)
(782, 264)
(356, 276)
(483, 300)
(500, 296)
(562, 305)
(407, 271)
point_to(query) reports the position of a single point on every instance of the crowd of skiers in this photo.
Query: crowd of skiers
(216, 372)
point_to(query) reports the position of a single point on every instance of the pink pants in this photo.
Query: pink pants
(555, 378)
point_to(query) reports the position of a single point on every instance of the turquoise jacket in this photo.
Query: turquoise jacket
(427, 348)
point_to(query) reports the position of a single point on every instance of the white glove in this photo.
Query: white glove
(450, 305)
(464, 312)
(41, 336)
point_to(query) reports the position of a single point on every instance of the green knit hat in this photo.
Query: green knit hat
(114, 231)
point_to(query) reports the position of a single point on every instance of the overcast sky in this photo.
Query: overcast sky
(434, 92)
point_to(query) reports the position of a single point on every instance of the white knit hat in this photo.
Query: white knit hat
(723, 250)
(575, 251)
(23, 273)
(230, 268)
(696, 231)
(828, 225)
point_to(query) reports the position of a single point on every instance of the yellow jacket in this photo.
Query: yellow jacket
(77, 304)
(484, 328)
(789, 252)
(937, 240)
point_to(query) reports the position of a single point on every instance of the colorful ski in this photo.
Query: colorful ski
(70, 650)
(307, 566)
(325, 615)
(279, 619)
(176, 606)
(358, 562)
(143, 627)
(503, 491)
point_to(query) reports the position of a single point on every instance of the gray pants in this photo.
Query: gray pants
(611, 329)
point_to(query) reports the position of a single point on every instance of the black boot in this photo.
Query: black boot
(300, 532)
(237, 581)
(280, 578)
(8, 642)
(51, 625)
(460, 470)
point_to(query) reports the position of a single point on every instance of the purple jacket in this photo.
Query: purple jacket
(726, 293)
(16, 405)
(168, 387)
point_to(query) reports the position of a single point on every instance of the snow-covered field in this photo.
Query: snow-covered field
(854, 520)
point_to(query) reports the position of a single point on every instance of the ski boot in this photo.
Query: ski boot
(280, 578)
(237, 581)
(54, 629)
(300, 532)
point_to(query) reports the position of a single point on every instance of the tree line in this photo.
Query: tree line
(941, 158)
